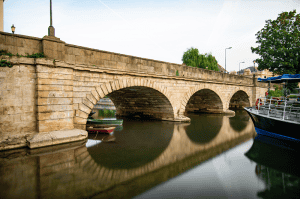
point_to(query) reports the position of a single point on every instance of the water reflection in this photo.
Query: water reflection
(240, 121)
(277, 167)
(135, 145)
(129, 162)
(204, 127)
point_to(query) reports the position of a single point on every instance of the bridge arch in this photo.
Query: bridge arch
(203, 99)
(239, 99)
(153, 100)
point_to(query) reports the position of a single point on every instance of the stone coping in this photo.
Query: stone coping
(56, 137)
(59, 63)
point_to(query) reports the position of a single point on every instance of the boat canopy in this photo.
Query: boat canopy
(281, 78)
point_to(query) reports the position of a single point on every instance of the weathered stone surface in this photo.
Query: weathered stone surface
(55, 125)
(44, 95)
(56, 137)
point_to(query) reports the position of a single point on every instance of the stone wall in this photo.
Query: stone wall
(20, 44)
(56, 49)
(17, 104)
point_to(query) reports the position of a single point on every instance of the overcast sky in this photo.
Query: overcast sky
(155, 29)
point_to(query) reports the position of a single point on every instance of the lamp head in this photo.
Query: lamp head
(13, 28)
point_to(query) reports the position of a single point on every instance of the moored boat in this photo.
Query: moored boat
(105, 121)
(277, 117)
(100, 129)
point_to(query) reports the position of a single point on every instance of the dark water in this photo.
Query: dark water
(215, 156)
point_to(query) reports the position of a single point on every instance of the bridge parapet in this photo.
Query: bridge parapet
(54, 48)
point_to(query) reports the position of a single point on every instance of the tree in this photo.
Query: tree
(279, 44)
(193, 58)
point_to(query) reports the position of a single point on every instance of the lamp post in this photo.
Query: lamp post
(254, 64)
(240, 67)
(225, 57)
(13, 28)
(51, 28)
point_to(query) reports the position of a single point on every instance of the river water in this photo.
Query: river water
(214, 156)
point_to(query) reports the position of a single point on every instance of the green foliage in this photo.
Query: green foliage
(293, 96)
(177, 73)
(276, 93)
(5, 63)
(107, 113)
(279, 43)
(292, 86)
(193, 58)
(36, 55)
(4, 52)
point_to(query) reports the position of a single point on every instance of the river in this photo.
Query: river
(214, 156)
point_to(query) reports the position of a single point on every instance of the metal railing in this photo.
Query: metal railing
(279, 107)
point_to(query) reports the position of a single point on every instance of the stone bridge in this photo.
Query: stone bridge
(46, 101)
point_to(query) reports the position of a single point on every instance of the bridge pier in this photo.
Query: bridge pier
(40, 97)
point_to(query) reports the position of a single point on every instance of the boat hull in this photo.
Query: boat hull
(100, 129)
(110, 122)
(274, 127)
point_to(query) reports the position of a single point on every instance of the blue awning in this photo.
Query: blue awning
(281, 78)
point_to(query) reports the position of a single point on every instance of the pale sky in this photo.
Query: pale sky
(155, 29)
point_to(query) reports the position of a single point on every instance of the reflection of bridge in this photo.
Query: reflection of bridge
(73, 172)
(72, 79)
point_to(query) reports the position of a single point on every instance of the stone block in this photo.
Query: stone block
(91, 98)
(51, 108)
(79, 120)
(84, 108)
(54, 82)
(112, 85)
(47, 94)
(55, 125)
(88, 103)
(55, 115)
(56, 137)
(81, 114)
(54, 88)
(55, 76)
(100, 91)
(54, 101)
(95, 94)
(104, 89)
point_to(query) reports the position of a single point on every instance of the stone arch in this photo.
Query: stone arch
(104, 89)
(239, 98)
(196, 89)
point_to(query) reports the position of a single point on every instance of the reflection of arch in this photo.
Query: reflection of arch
(108, 88)
(204, 100)
(136, 145)
(239, 99)
(240, 121)
(206, 130)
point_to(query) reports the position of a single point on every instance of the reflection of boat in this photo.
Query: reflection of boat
(100, 129)
(277, 117)
(278, 167)
(274, 154)
(105, 121)
(102, 137)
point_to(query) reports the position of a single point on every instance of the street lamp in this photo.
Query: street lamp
(240, 67)
(51, 31)
(13, 28)
(225, 57)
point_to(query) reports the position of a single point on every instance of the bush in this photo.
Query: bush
(276, 93)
